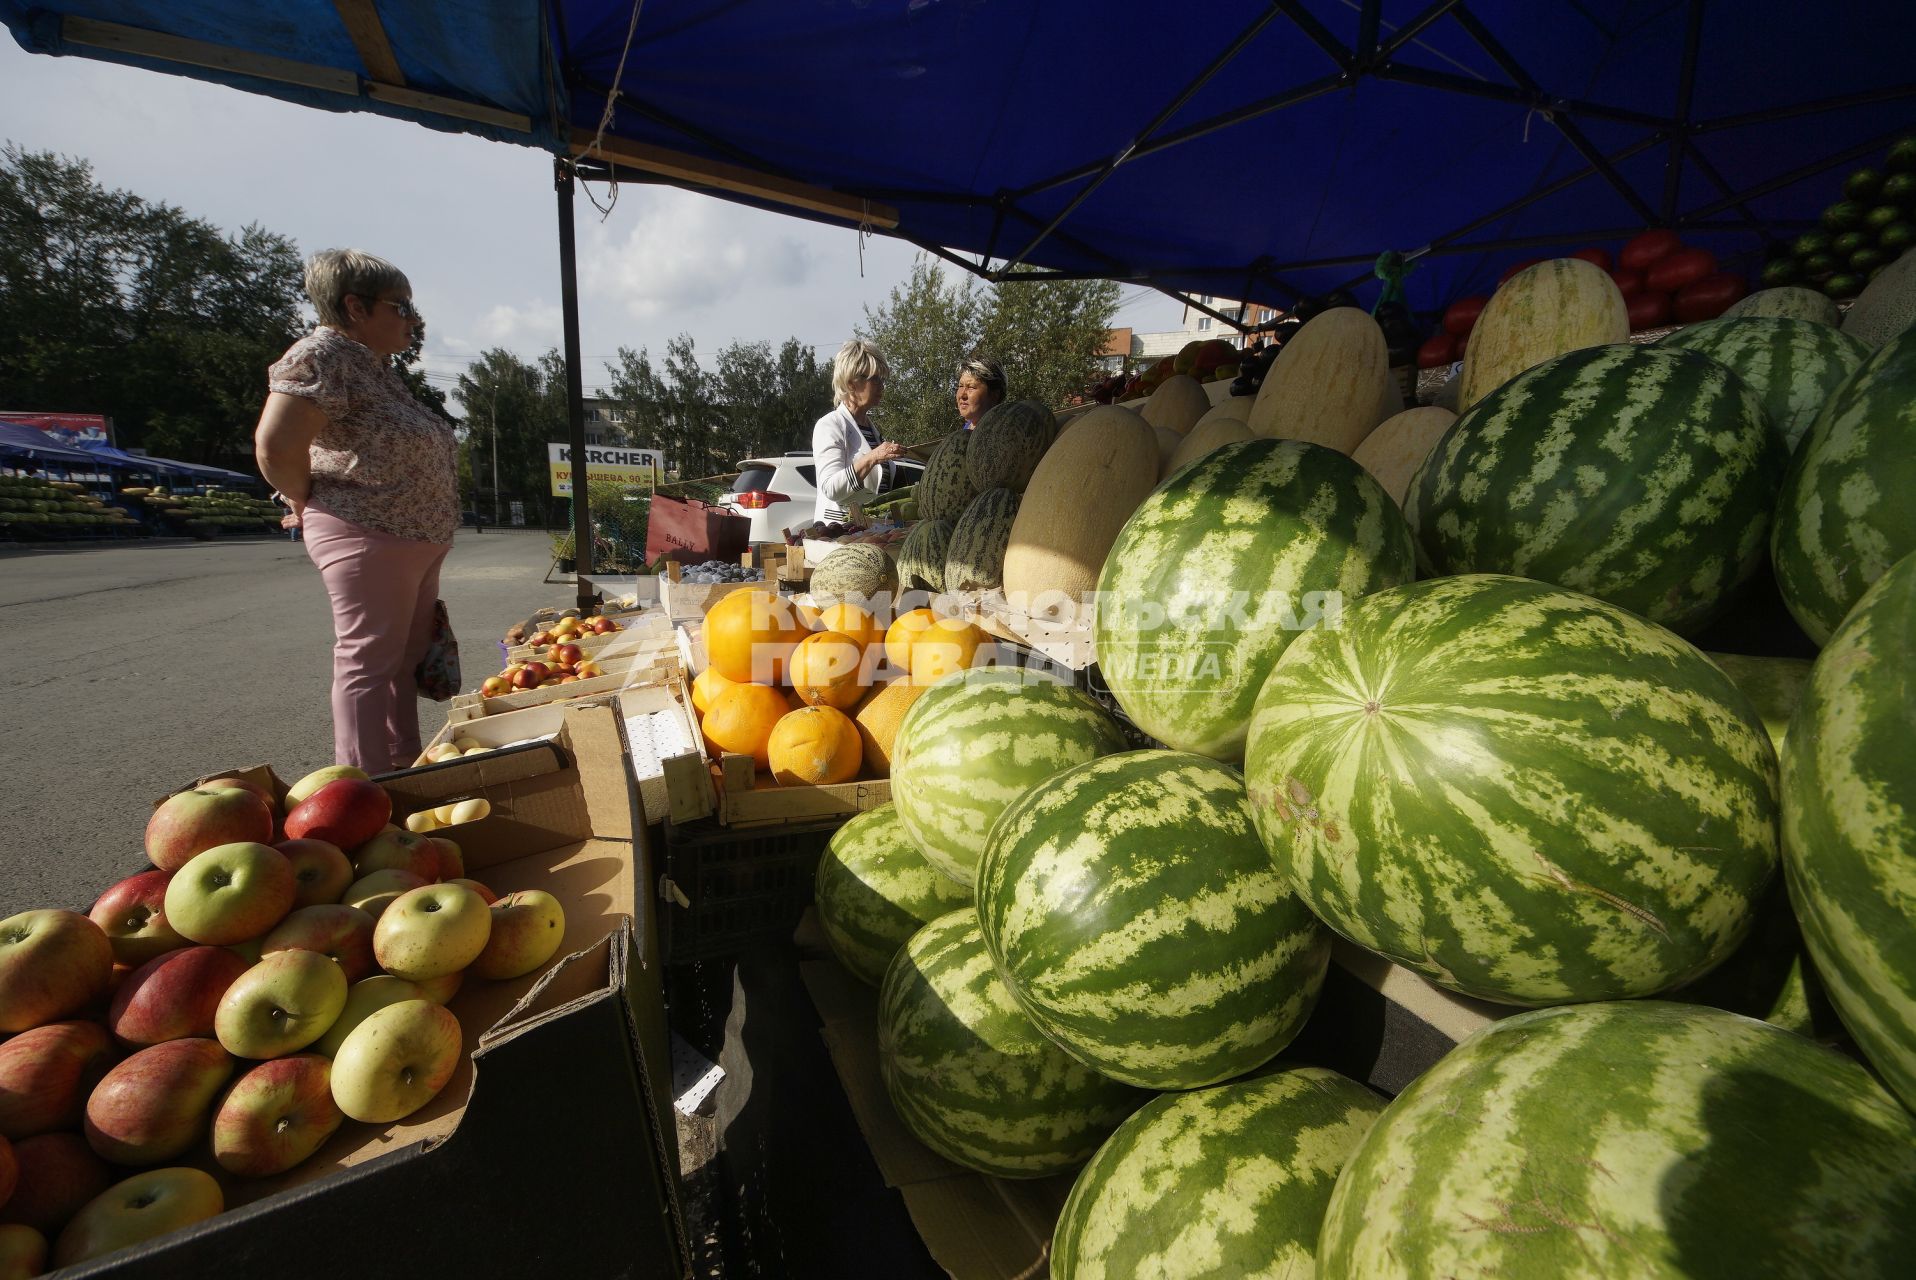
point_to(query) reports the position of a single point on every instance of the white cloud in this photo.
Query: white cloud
(686, 253)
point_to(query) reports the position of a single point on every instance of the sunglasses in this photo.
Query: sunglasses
(406, 310)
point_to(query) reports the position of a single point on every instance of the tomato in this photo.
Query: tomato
(1710, 297)
(1673, 271)
(1599, 258)
(1439, 351)
(1461, 315)
(1515, 267)
(1629, 281)
(1649, 311)
(1646, 247)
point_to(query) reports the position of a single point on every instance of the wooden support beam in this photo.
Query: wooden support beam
(369, 37)
(701, 172)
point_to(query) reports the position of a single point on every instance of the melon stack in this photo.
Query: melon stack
(976, 481)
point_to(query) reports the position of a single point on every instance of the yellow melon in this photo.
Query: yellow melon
(1329, 385)
(878, 718)
(815, 746)
(1396, 450)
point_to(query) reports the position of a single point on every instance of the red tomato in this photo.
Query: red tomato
(1709, 297)
(1462, 314)
(1629, 281)
(1648, 311)
(1648, 246)
(1439, 351)
(1599, 258)
(1672, 271)
(1515, 267)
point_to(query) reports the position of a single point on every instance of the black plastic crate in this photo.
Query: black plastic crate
(1091, 680)
(741, 885)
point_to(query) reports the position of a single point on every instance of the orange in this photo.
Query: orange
(828, 670)
(750, 634)
(848, 619)
(742, 719)
(813, 746)
(706, 689)
(878, 718)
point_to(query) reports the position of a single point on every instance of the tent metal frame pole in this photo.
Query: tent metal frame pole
(1866, 98)
(574, 383)
(1411, 30)
(1318, 33)
(1796, 175)
(1686, 90)
(1534, 98)
(1701, 163)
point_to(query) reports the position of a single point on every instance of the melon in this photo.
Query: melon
(878, 719)
(1790, 302)
(874, 890)
(945, 490)
(921, 556)
(1178, 403)
(859, 573)
(1329, 385)
(1887, 306)
(1236, 408)
(975, 557)
(1205, 438)
(1084, 489)
(1006, 445)
(1167, 442)
(1548, 310)
(1395, 451)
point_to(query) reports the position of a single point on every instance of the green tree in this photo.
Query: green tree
(770, 401)
(511, 414)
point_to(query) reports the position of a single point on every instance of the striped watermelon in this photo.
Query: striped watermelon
(1635, 1139)
(874, 890)
(1641, 475)
(1773, 685)
(944, 491)
(970, 1075)
(1138, 921)
(1524, 794)
(1849, 823)
(1770, 976)
(1847, 512)
(1007, 443)
(1790, 301)
(1220, 568)
(1226, 1182)
(975, 556)
(974, 742)
(921, 556)
(1793, 365)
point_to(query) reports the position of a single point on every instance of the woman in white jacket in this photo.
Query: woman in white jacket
(848, 455)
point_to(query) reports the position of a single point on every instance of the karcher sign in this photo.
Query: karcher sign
(627, 466)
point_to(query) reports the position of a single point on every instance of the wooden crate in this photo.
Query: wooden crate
(641, 631)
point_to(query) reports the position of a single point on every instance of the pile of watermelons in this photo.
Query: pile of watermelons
(1861, 234)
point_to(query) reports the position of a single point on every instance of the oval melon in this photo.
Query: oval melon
(1168, 442)
(1083, 491)
(878, 718)
(1329, 384)
(1886, 307)
(1178, 403)
(1235, 408)
(1205, 437)
(1394, 452)
(860, 572)
(1551, 309)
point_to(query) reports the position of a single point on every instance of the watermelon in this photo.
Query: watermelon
(944, 491)
(1140, 924)
(1220, 568)
(1794, 366)
(969, 1074)
(921, 556)
(1773, 685)
(1641, 475)
(1225, 1182)
(1790, 301)
(974, 742)
(1524, 794)
(1770, 976)
(874, 890)
(1846, 512)
(975, 556)
(1641, 1139)
(1007, 443)
(1849, 823)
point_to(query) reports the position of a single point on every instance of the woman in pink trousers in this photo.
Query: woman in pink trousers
(371, 476)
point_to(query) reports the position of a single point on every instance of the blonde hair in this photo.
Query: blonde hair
(856, 361)
(332, 274)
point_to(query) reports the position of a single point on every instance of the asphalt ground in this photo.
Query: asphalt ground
(131, 669)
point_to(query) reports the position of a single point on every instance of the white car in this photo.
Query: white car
(782, 493)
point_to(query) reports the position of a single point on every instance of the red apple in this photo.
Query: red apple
(132, 914)
(244, 784)
(275, 1116)
(52, 964)
(321, 871)
(332, 929)
(452, 863)
(567, 655)
(318, 778)
(58, 1175)
(530, 676)
(399, 851)
(142, 1207)
(154, 1104)
(46, 1075)
(347, 812)
(191, 822)
(230, 893)
(494, 686)
(173, 997)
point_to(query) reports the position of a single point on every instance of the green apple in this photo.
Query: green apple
(144, 1206)
(230, 893)
(375, 892)
(275, 1116)
(432, 931)
(280, 1005)
(442, 990)
(396, 1061)
(364, 998)
(527, 928)
(319, 778)
(23, 1251)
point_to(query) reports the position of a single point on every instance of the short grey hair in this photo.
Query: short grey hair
(332, 274)
(989, 372)
(856, 361)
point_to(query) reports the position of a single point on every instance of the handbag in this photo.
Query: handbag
(437, 674)
(691, 531)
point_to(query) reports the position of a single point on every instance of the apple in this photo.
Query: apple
(52, 964)
(441, 990)
(46, 1074)
(452, 862)
(374, 993)
(346, 811)
(247, 950)
(589, 670)
(132, 914)
(567, 655)
(144, 1206)
(432, 931)
(477, 888)
(494, 686)
(396, 1061)
(318, 778)
(399, 851)
(154, 1104)
(280, 1005)
(441, 752)
(321, 871)
(374, 893)
(58, 1174)
(244, 784)
(341, 933)
(174, 996)
(527, 928)
(275, 1116)
(191, 822)
(23, 1251)
(230, 893)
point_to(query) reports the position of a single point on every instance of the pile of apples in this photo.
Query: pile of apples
(574, 629)
(561, 661)
(268, 978)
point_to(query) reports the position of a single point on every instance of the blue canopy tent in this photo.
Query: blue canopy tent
(1257, 149)
(28, 444)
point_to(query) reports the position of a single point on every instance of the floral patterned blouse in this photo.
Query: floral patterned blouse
(382, 460)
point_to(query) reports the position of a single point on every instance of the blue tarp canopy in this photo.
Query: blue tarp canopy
(112, 457)
(1261, 149)
(25, 442)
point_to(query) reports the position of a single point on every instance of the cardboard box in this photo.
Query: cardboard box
(1063, 637)
(552, 1150)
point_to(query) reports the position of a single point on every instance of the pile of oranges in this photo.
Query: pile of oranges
(815, 696)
